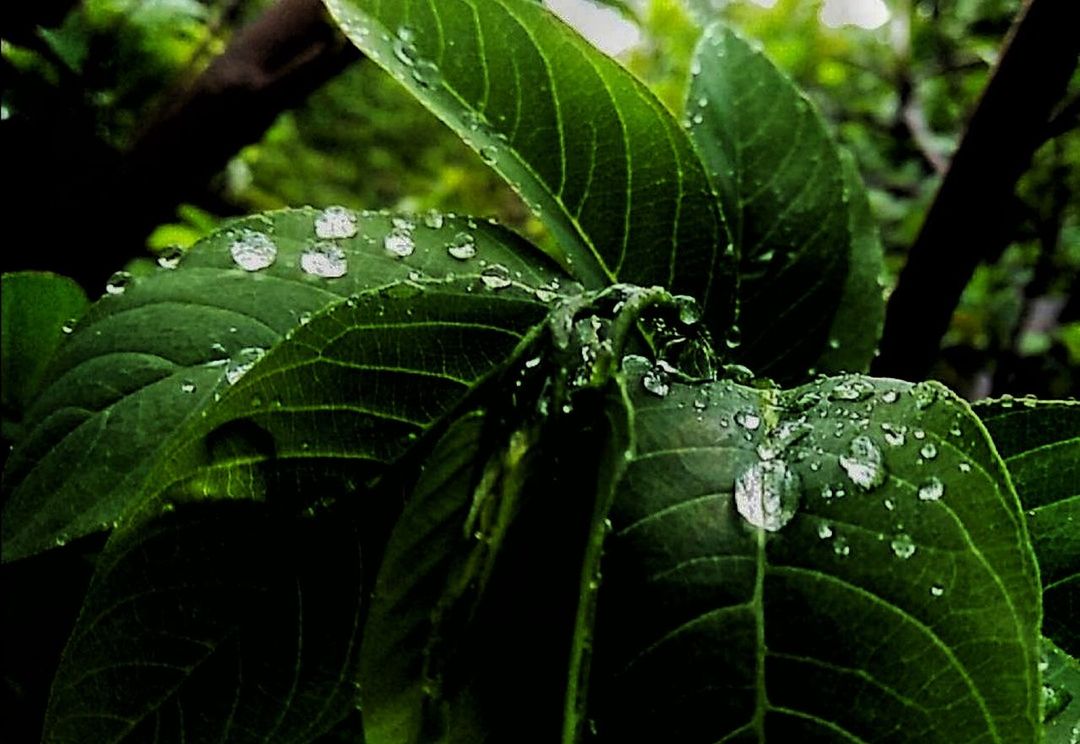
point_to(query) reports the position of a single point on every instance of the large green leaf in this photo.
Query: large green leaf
(845, 561)
(37, 307)
(215, 622)
(590, 149)
(810, 258)
(158, 371)
(1040, 443)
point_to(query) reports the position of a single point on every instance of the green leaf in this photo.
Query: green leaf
(36, 307)
(215, 623)
(1040, 443)
(591, 150)
(871, 580)
(132, 400)
(809, 253)
(1061, 696)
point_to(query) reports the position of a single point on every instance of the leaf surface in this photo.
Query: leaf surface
(595, 155)
(1040, 443)
(845, 561)
(215, 622)
(1061, 696)
(809, 252)
(36, 308)
(129, 389)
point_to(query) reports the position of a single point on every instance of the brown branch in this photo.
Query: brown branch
(970, 216)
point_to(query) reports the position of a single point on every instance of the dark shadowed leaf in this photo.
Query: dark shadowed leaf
(1040, 443)
(1061, 696)
(216, 622)
(595, 155)
(845, 561)
(38, 309)
(155, 371)
(809, 252)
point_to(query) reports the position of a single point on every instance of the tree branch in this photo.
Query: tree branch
(969, 218)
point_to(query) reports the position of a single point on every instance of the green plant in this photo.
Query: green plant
(415, 467)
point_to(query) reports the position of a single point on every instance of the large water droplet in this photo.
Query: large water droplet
(656, 382)
(894, 435)
(462, 247)
(748, 420)
(253, 250)
(170, 257)
(335, 222)
(324, 259)
(433, 219)
(767, 494)
(118, 283)
(496, 276)
(244, 360)
(399, 242)
(863, 463)
(932, 490)
(903, 546)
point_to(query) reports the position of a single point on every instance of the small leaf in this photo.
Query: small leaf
(594, 154)
(146, 363)
(215, 623)
(826, 563)
(1040, 443)
(809, 253)
(39, 310)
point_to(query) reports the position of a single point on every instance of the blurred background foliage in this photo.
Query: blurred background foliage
(896, 79)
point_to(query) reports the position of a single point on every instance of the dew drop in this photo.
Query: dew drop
(890, 396)
(964, 467)
(925, 394)
(399, 243)
(433, 219)
(748, 420)
(118, 283)
(69, 326)
(244, 360)
(733, 338)
(253, 250)
(170, 257)
(335, 222)
(655, 381)
(426, 73)
(324, 259)
(937, 590)
(841, 547)
(496, 276)
(863, 463)
(928, 451)
(851, 390)
(903, 546)
(932, 490)
(767, 494)
(489, 154)
(187, 386)
(824, 531)
(894, 435)
(462, 247)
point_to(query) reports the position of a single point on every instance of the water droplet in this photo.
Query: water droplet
(69, 326)
(244, 360)
(890, 396)
(937, 590)
(253, 250)
(335, 222)
(118, 283)
(655, 381)
(834, 343)
(893, 434)
(919, 434)
(187, 386)
(170, 257)
(545, 295)
(851, 390)
(748, 420)
(964, 467)
(903, 546)
(824, 531)
(932, 490)
(433, 219)
(324, 259)
(462, 247)
(399, 242)
(496, 276)
(767, 494)
(841, 547)
(489, 154)
(925, 394)
(863, 463)
(889, 504)
(403, 46)
(426, 73)
(928, 451)
(733, 338)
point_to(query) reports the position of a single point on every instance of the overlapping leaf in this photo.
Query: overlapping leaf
(1040, 443)
(37, 307)
(846, 561)
(810, 258)
(594, 154)
(136, 379)
(215, 622)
